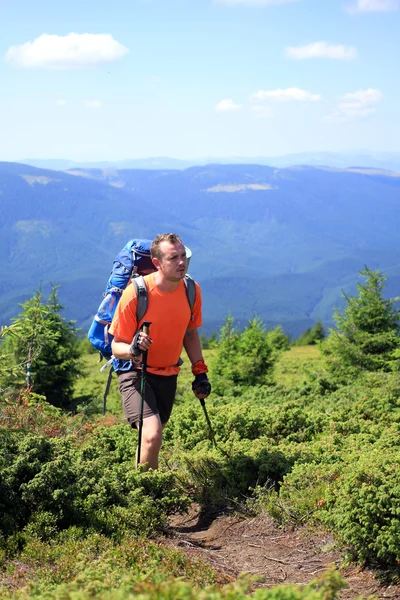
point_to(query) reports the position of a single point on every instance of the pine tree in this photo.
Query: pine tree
(40, 350)
(242, 359)
(368, 331)
(312, 335)
(278, 339)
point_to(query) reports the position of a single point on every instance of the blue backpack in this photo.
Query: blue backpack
(133, 259)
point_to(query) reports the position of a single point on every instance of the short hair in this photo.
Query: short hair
(155, 249)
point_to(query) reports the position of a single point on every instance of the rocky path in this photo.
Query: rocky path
(232, 545)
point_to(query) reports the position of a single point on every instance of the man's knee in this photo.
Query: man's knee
(152, 439)
(152, 433)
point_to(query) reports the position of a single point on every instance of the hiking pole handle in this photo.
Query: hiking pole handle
(146, 327)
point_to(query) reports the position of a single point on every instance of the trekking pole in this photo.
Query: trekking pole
(145, 329)
(108, 384)
(212, 437)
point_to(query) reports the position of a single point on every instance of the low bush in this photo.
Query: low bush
(50, 484)
(243, 359)
(73, 562)
(363, 505)
(96, 568)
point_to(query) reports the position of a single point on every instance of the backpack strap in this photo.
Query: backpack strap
(142, 297)
(190, 293)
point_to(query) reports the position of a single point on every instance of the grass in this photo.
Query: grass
(294, 365)
(89, 389)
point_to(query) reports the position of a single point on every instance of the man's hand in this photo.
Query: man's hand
(201, 386)
(141, 343)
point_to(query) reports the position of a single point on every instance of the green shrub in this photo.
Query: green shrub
(311, 336)
(368, 331)
(109, 577)
(242, 359)
(72, 562)
(278, 339)
(363, 506)
(46, 343)
(304, 491)
(51, 483)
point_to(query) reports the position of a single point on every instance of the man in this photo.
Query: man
(173, 325)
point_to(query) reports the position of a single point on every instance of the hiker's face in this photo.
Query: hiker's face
(173, 262)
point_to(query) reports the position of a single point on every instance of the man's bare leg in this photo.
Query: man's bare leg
(151, 441)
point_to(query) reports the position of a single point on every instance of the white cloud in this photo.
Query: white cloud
(357, 105)
(321, 50)
(72, 51)
(62, 102)
(287, 95)
(262, 111)
(252, 2)
(93, 104)
(364, 6)
(227, 105)
(364, 97)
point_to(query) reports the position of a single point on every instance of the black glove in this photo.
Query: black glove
(134, 349)
(201, 384)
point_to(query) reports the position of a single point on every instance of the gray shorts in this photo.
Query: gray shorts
(159, 395)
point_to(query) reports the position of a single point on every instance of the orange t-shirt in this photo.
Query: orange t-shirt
(170, 317)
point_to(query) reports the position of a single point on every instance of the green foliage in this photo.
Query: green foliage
(303, 493)
(306, 450)
(70, 563)
(54, 483)
(278, 339)
(298, 365)
(242, 359)
(312, 335)
(30, 412)
(75, 568)
(364, 506)
(210, 342)
(89, 388)
(368, 330)
(225, 477)
(86, 347)
(41, 340)
(297, 450)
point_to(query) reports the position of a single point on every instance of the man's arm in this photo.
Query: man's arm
(201, 386)
(121, 349)
(141, 343)
(192, 345)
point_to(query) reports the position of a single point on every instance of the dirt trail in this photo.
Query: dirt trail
(257, 546)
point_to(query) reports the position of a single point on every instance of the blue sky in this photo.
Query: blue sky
(86, 80)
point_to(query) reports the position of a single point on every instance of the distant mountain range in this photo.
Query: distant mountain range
(281, 243)
(375, 160)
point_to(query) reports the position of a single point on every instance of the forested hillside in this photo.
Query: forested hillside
(279, 243)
